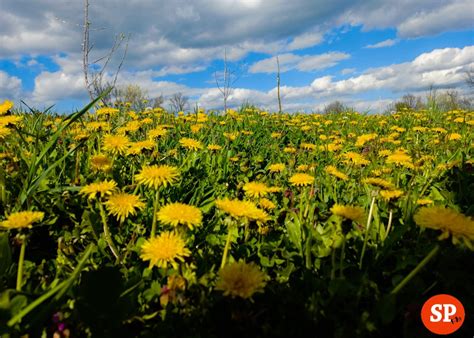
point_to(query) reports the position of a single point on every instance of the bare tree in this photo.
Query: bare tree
(278, 84)
(157, 102)
(94, 80)
(133, 94)
(335, 107)
(470, 77)
(226, 81)
(178, 102)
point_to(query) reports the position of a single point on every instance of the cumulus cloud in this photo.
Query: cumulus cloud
(412, 19)
(179, 37)
(346, 71)
(10, 86)
(454, 14)
(384, 43)
(426, 70)
(189, 33)
(304, 63)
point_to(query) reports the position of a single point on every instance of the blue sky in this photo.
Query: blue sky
(365, 53)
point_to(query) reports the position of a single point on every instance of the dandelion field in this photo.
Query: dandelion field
(203, 224)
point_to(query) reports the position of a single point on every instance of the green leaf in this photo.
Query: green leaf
(5, 254)
(293, 228)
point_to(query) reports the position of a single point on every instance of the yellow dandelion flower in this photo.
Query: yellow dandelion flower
(307, 146)
(22, 219)
(274, 189)
(107, 111)
(137, 147)
(379, 182)
(401, 158)
(355, 158)
(289, 150)
(239, 279)
(276, 168)
(301, 179)
(5, 106)
(242, 209)
(424, 201)
(449, 221)
(10, 120)
(363, 139)
(302, 167)
(439, 130)
(156, 176)
(276, 135)
(266, 204)
(101, 189)
(454, 137)
(180, 214)
(331, 147)
(122, 205)
(116, 144)
(385, 153)
(165, 249)
(4, 132)
(157, 133)
(390, 194)
(332, 170)
(257, 215)
(101, 162)
(231, 136)
(97, 125)
(354, 213)
(190, 143)
(255, 189)
(214, 147)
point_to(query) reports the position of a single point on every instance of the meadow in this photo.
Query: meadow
(246, 223)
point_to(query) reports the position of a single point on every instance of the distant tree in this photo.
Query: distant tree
(157, 102)
(278, 84)
(470, 77)
(335, 107)
(226, 81)
(451, 100)
(178, 102)
(132, 94)
(408, 101)
(95, 71)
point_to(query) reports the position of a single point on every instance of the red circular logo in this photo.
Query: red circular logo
(443, 314)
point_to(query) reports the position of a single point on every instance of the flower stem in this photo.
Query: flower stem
(108, 237)
(390, 218)
(226, 248)
(333, 264)
(341, 258)
(155, 211)
(417, 268)
(367, 229)
(21, 259)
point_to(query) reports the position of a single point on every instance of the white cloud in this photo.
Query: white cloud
(305, 63)
(10, 86)
(441, 68)
(384, 43)
(346, 71)
(51, 87)
(305, 40)
(454, 14)
(193, 33)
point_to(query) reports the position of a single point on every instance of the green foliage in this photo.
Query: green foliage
(325, 274)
